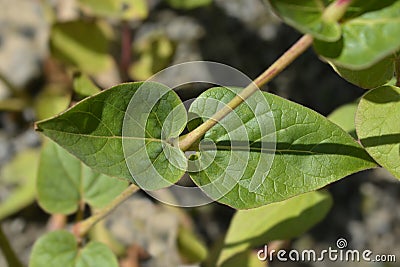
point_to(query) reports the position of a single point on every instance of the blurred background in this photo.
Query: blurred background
(56, 52)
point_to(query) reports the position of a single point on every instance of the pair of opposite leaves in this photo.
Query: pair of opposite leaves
(267, 150)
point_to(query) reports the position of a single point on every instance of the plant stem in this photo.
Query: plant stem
(126, 50)
(285, 60)
(336, 10)
(332, 13)
(8, 251)
(82, 228)
(56, 222)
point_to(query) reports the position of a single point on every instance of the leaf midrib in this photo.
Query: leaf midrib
(109, 137)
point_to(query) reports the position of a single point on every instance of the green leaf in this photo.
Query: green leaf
(188, 4)
(153, 53)
(82, 44)
(377, 124)
(122, 9)
(311, 151)
(93, 131)
(61, 249)
(371, 77)
(306, 16)
(134, 9)
(190, 247)
(51, 101)
(64, 182)
(344, 117)
(246, 258)
(84, 86)
(283, 220)
(19, 176)
(359, 7)
(366, 39)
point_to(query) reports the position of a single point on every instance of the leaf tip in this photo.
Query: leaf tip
(37, 127)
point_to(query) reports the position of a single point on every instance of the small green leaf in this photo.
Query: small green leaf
(84, 86)
(366, 39)
(244, 172)
(134, 9)
(94, 130)
(122, 9)
(378, 127)
(369, 78)
(153, 53)
(188, 4)
(283, 220)
(101, 7)
(51, 101)
(82, 44)
(61, 249)
(344, 117)
(306, 16)
(190, 247)
(64, 182)
(19, 176)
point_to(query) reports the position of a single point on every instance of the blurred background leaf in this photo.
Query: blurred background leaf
(84, 86)
(276, 221)
(82, 44)
(152, 53)
(122, 9)
(60, 248)
(19, 177)
(188, 4)
(64, 183)
(52, 100)
(344, 116)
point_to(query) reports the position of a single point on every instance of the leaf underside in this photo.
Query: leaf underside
(267, 150)
(377, 125)
(311, 152)
(93, 130)
(366, 39)
(306, 16)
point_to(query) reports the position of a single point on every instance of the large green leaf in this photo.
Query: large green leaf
(366, 39)
(378, 127)
(276, 221)
(371, 77)
(64, 182)
(306, 16)
(82, 44)
(19, 176)
(93, 131)
(311, 151)
(60, 248)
